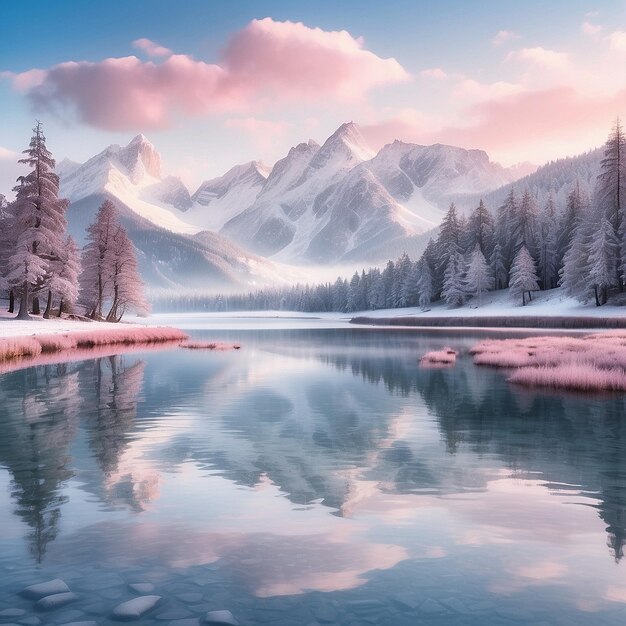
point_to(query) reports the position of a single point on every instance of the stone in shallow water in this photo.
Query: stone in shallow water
(55, 601)
(141, 587)
(49, 588)
(12, 613)
(135, 608)
(325, 614)
(432, 607)
(173, 614)
(190, 598)
(220, 617)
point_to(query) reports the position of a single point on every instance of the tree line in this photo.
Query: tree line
(580, 247)
(40, 260)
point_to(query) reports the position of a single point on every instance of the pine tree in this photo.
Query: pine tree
(39, 225)
(481, 230)
(504, 229)
(498, 270)
(524, 278)
(448, 240)
(477, 279)
(453, 291)
(65, 278)
(525, 223)
(401, 294)
(602, 261)
(353, 293)
(611, 193)
(547, 245)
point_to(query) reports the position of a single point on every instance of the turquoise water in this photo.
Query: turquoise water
(315, 476)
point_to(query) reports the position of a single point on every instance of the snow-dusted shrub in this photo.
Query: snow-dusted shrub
(445, 356)
(56, 343)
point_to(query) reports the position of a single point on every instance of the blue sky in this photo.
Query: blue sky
(570, 45)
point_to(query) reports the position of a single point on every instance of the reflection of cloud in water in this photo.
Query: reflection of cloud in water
(267, 564)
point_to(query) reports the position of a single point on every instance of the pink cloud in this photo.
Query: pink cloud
(517, 120)
(590, 29)
(285, 60)
(151, 48)
(617, 40)
(541, 57)
(502, 36)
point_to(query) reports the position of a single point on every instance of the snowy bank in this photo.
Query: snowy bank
(548, 309)
(35, 343)
(595, 362)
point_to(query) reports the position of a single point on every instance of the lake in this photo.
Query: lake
(316, 476)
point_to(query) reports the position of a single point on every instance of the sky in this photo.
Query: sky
(213, 84)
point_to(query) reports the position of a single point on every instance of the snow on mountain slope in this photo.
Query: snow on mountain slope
(132, 175)
(218, 200)
(342, 200)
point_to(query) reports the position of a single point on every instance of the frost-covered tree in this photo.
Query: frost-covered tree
(504, 229)
(611, 193)
(353, 292)
(576, 206)
(602, 261)
(477, 278)
(127, 289)
(64, 280)
(39, 224)
(524, 223)
(481, 230)
(95, 279)
(547, 245)
(7, 244)
(402, 295)
(453, 292)
(498, 269)
(524, 279)
(448, 241)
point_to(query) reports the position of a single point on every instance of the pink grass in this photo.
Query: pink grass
(445, 356)
(209, 345)
(32, 346)
(595, 362)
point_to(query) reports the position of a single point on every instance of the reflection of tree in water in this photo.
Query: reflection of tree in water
(110, 389)
(39, 410)
(576, 441)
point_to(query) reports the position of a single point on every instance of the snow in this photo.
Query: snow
(135, 608)
(10, 327)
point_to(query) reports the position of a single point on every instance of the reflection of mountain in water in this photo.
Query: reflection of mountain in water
(577, 443)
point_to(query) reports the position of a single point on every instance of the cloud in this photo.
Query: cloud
(151, 48)
(284, 61)
(502, 36)
(434, 72)
(470, 90)
(617, 40)
(591, 29)
(541, 57)
(265, 134)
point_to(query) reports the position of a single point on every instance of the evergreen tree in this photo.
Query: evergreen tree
(602, 261)
(477, 279)
(611, 193)
(481, 230)
(425, 282)
(453, 292)
(504, 229)
(498, 269)
(547, 245)
(524, 278)
(39, 225)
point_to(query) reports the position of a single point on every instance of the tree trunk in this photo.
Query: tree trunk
(46, 313)
(61, 305)
(523, 298)
(595, 293)
(23, 312)
(11, 301)
(36, 309)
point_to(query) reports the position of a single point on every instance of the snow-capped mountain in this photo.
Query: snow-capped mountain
(342, 201)
(220, 199)
(172, 252)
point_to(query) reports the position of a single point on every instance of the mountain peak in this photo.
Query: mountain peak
(346, 145)
(140, 157)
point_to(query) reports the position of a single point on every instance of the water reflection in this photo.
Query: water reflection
(317, 461)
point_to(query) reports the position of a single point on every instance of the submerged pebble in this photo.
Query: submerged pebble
(135, 608)
(223, 617)
(55, 601)
(48, 588)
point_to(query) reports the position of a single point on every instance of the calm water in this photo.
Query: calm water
(315, 476)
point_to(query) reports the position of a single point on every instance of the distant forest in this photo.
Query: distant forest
(579, 246)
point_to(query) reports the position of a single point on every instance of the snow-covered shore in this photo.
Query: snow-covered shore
(10, 327)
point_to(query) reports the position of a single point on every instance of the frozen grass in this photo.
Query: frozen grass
(445, 356)
(33, 346)
(595, 362)
(209, 345)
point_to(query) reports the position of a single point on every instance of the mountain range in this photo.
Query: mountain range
(335, 203)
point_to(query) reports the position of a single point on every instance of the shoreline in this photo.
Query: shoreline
(26, 349)
(496, 321)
